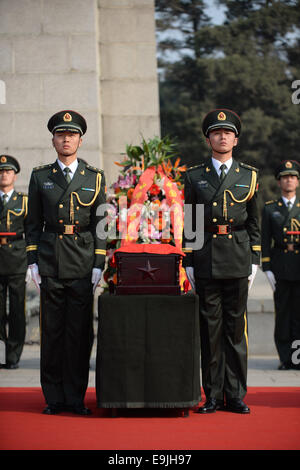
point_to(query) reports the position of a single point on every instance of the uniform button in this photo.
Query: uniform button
(230, 236)
(296, 251)
(77, 208)
(60, 237)
(285, 251)
(285, 239)
(214, 235)
(215, 220)
(231, 220)
(215, 203)
(76, 222)
(284, 229)
(60, 221)
(10, 245)
(75, 238)
(61, 206)
(232, 203)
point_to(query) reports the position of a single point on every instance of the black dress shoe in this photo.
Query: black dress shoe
(211, 406)
(79, 410)
(284, 366)
(12, 366)
(53, 409)
(236, 405)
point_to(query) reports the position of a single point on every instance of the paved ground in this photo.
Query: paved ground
(263, 360)
(262, 372)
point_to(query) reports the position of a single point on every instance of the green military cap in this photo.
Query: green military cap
(288, 167)
(67, 120)
(9, 163)
(221, 118)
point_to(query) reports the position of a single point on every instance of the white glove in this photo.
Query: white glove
(28, 275)
(96, 276)
(252, 276)
(35, 275)
(190, 275)
(271, 279)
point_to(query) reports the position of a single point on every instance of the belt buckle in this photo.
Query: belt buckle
(3, 240)
(223, 229)
(68, 229)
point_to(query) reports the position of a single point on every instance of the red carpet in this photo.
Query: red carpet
(273, 424)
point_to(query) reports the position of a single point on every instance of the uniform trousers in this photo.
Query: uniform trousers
(287, 317)
(66, 326)
(224, 336)
(12, 324)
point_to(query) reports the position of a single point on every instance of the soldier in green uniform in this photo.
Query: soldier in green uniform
(222, 267)
(13, 262)
(281, 259)
(66, 253)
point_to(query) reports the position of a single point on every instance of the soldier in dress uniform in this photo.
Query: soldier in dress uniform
(228, 259)
(281, 259)
(13, 262)
(66, 253)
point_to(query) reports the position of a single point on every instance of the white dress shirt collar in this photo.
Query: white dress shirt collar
(216, 163)
(286, 200)
(73, 166)
(9, 194)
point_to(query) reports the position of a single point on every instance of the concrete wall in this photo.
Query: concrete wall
(128, 76)
(49, 62)
(94, 57)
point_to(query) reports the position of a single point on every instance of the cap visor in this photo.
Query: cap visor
(69, 127)
(9, 167)
(288, 172)
(223, 125)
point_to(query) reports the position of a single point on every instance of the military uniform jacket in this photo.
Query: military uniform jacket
(280, 250)
(227, 252)
(13, 258)
(55, 207)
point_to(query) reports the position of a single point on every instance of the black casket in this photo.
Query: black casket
(148, 269)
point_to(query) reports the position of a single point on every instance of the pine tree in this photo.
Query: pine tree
(247, 64)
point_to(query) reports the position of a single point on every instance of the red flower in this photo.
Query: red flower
(154, 190)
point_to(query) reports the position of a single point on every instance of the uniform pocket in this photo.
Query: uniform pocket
(241, 236)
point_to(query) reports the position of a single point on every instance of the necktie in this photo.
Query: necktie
(4, 199)
(289, 205)
(67, 172)
(222, 174)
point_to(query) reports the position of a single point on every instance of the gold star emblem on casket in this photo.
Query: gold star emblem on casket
(148, 271)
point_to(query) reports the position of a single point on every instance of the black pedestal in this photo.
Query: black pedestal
(148, 353)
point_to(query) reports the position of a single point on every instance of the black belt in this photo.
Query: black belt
(223, 229)
(66, 229)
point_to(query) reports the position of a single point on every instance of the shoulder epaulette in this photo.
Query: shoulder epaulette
(196, 166)
(42, 167)
(269, 202)
(93, 168)
(249, 167)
